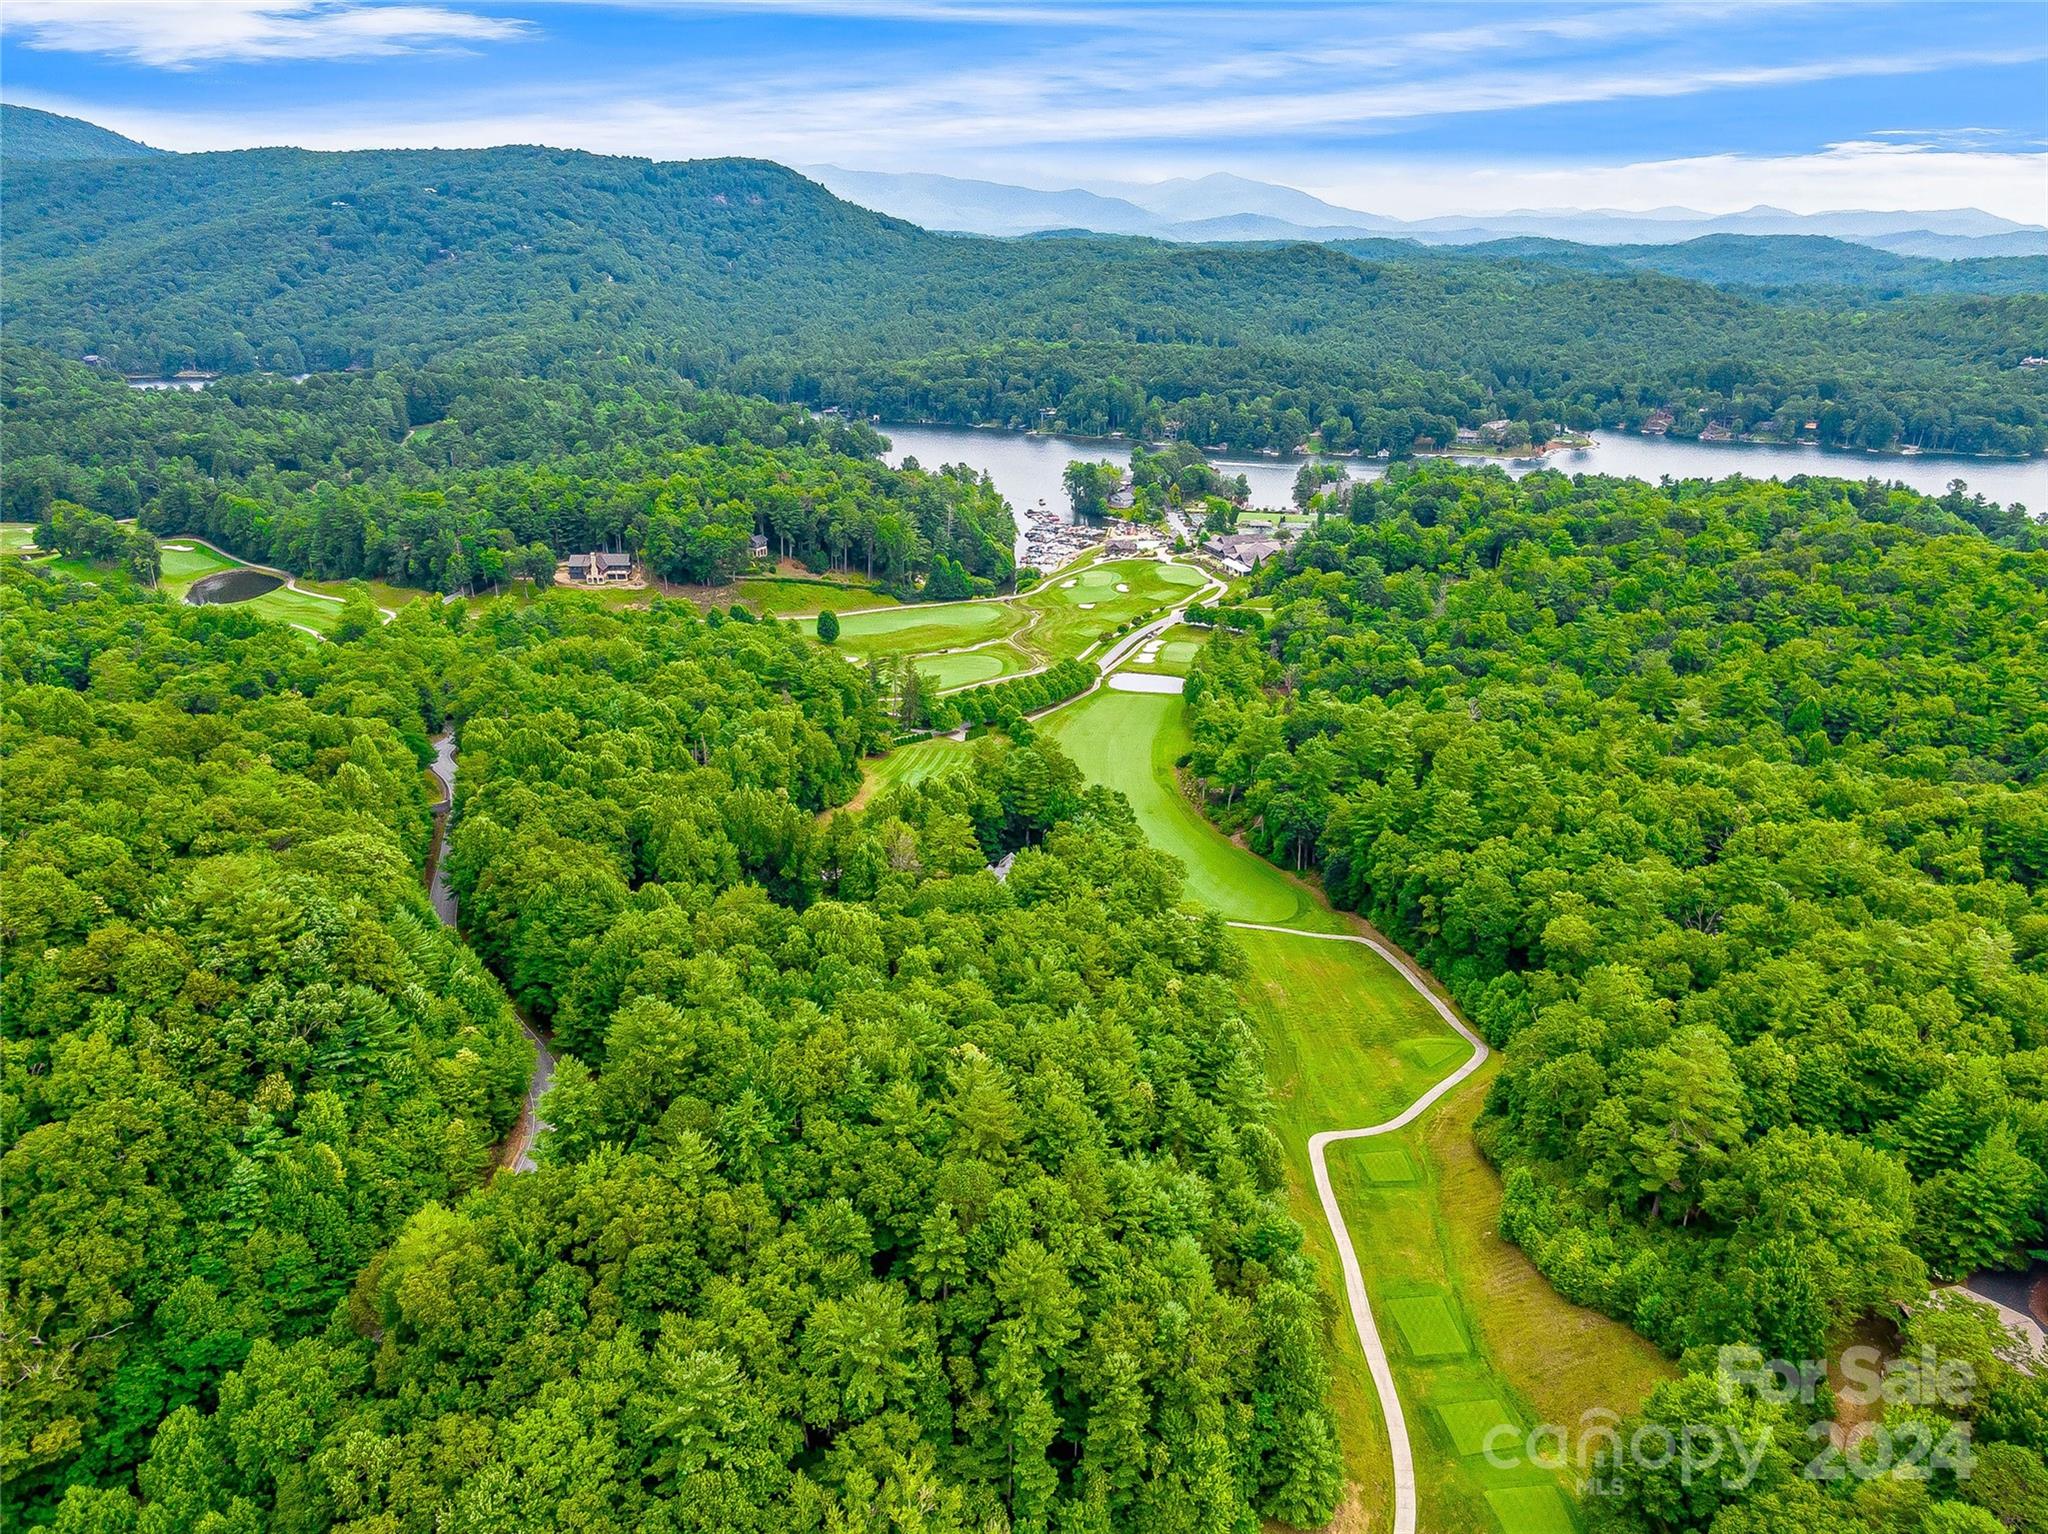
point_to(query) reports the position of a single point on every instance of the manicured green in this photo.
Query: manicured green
(1130, 741)
(917, 630)
(965, 667)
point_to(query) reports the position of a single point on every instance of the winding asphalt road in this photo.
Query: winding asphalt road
(517, 1154)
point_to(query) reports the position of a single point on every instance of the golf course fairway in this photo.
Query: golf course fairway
(1130, 741)
(1437, 1332)
(1473, 1336)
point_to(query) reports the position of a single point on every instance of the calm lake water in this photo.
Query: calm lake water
(1027, 469)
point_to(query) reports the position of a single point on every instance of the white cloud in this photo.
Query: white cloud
(1287, 94)
(178, 34)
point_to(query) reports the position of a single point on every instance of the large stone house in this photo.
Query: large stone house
(600, 567)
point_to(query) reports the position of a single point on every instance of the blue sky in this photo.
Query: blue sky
(1397, 108)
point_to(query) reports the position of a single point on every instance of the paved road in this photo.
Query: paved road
(517, 1153)
(1399, 1448)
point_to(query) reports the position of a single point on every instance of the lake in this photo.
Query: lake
(1027, 469)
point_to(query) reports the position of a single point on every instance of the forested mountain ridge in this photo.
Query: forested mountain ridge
(1780, 264)
(746, 274)
(456, 478)
(27, 133)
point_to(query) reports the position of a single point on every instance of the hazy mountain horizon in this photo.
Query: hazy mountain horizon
(1223, 206)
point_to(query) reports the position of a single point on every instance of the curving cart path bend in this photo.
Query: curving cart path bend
(517, 1155)
(1399, 1449)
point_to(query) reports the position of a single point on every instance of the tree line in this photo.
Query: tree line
(461, 481)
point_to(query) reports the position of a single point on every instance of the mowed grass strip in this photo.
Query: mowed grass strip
(1334, 1018)
(915, 630)
(1129, 742)
(1534, 1509)
(914, 763)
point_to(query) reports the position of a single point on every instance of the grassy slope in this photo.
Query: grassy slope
(784, 598)
(1130, 741)
(1348, 1042)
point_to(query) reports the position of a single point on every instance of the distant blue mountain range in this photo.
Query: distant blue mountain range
(1226, 207)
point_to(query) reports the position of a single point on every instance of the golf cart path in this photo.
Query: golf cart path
(291, 582)
(1119, 651)
(1399, 1448)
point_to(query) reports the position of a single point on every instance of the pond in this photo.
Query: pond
(232, 586)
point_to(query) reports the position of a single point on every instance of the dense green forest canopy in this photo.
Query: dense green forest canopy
(876, 1182)
(240, 1051)
(1720, 806)
(459, 478)
(745, 274)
